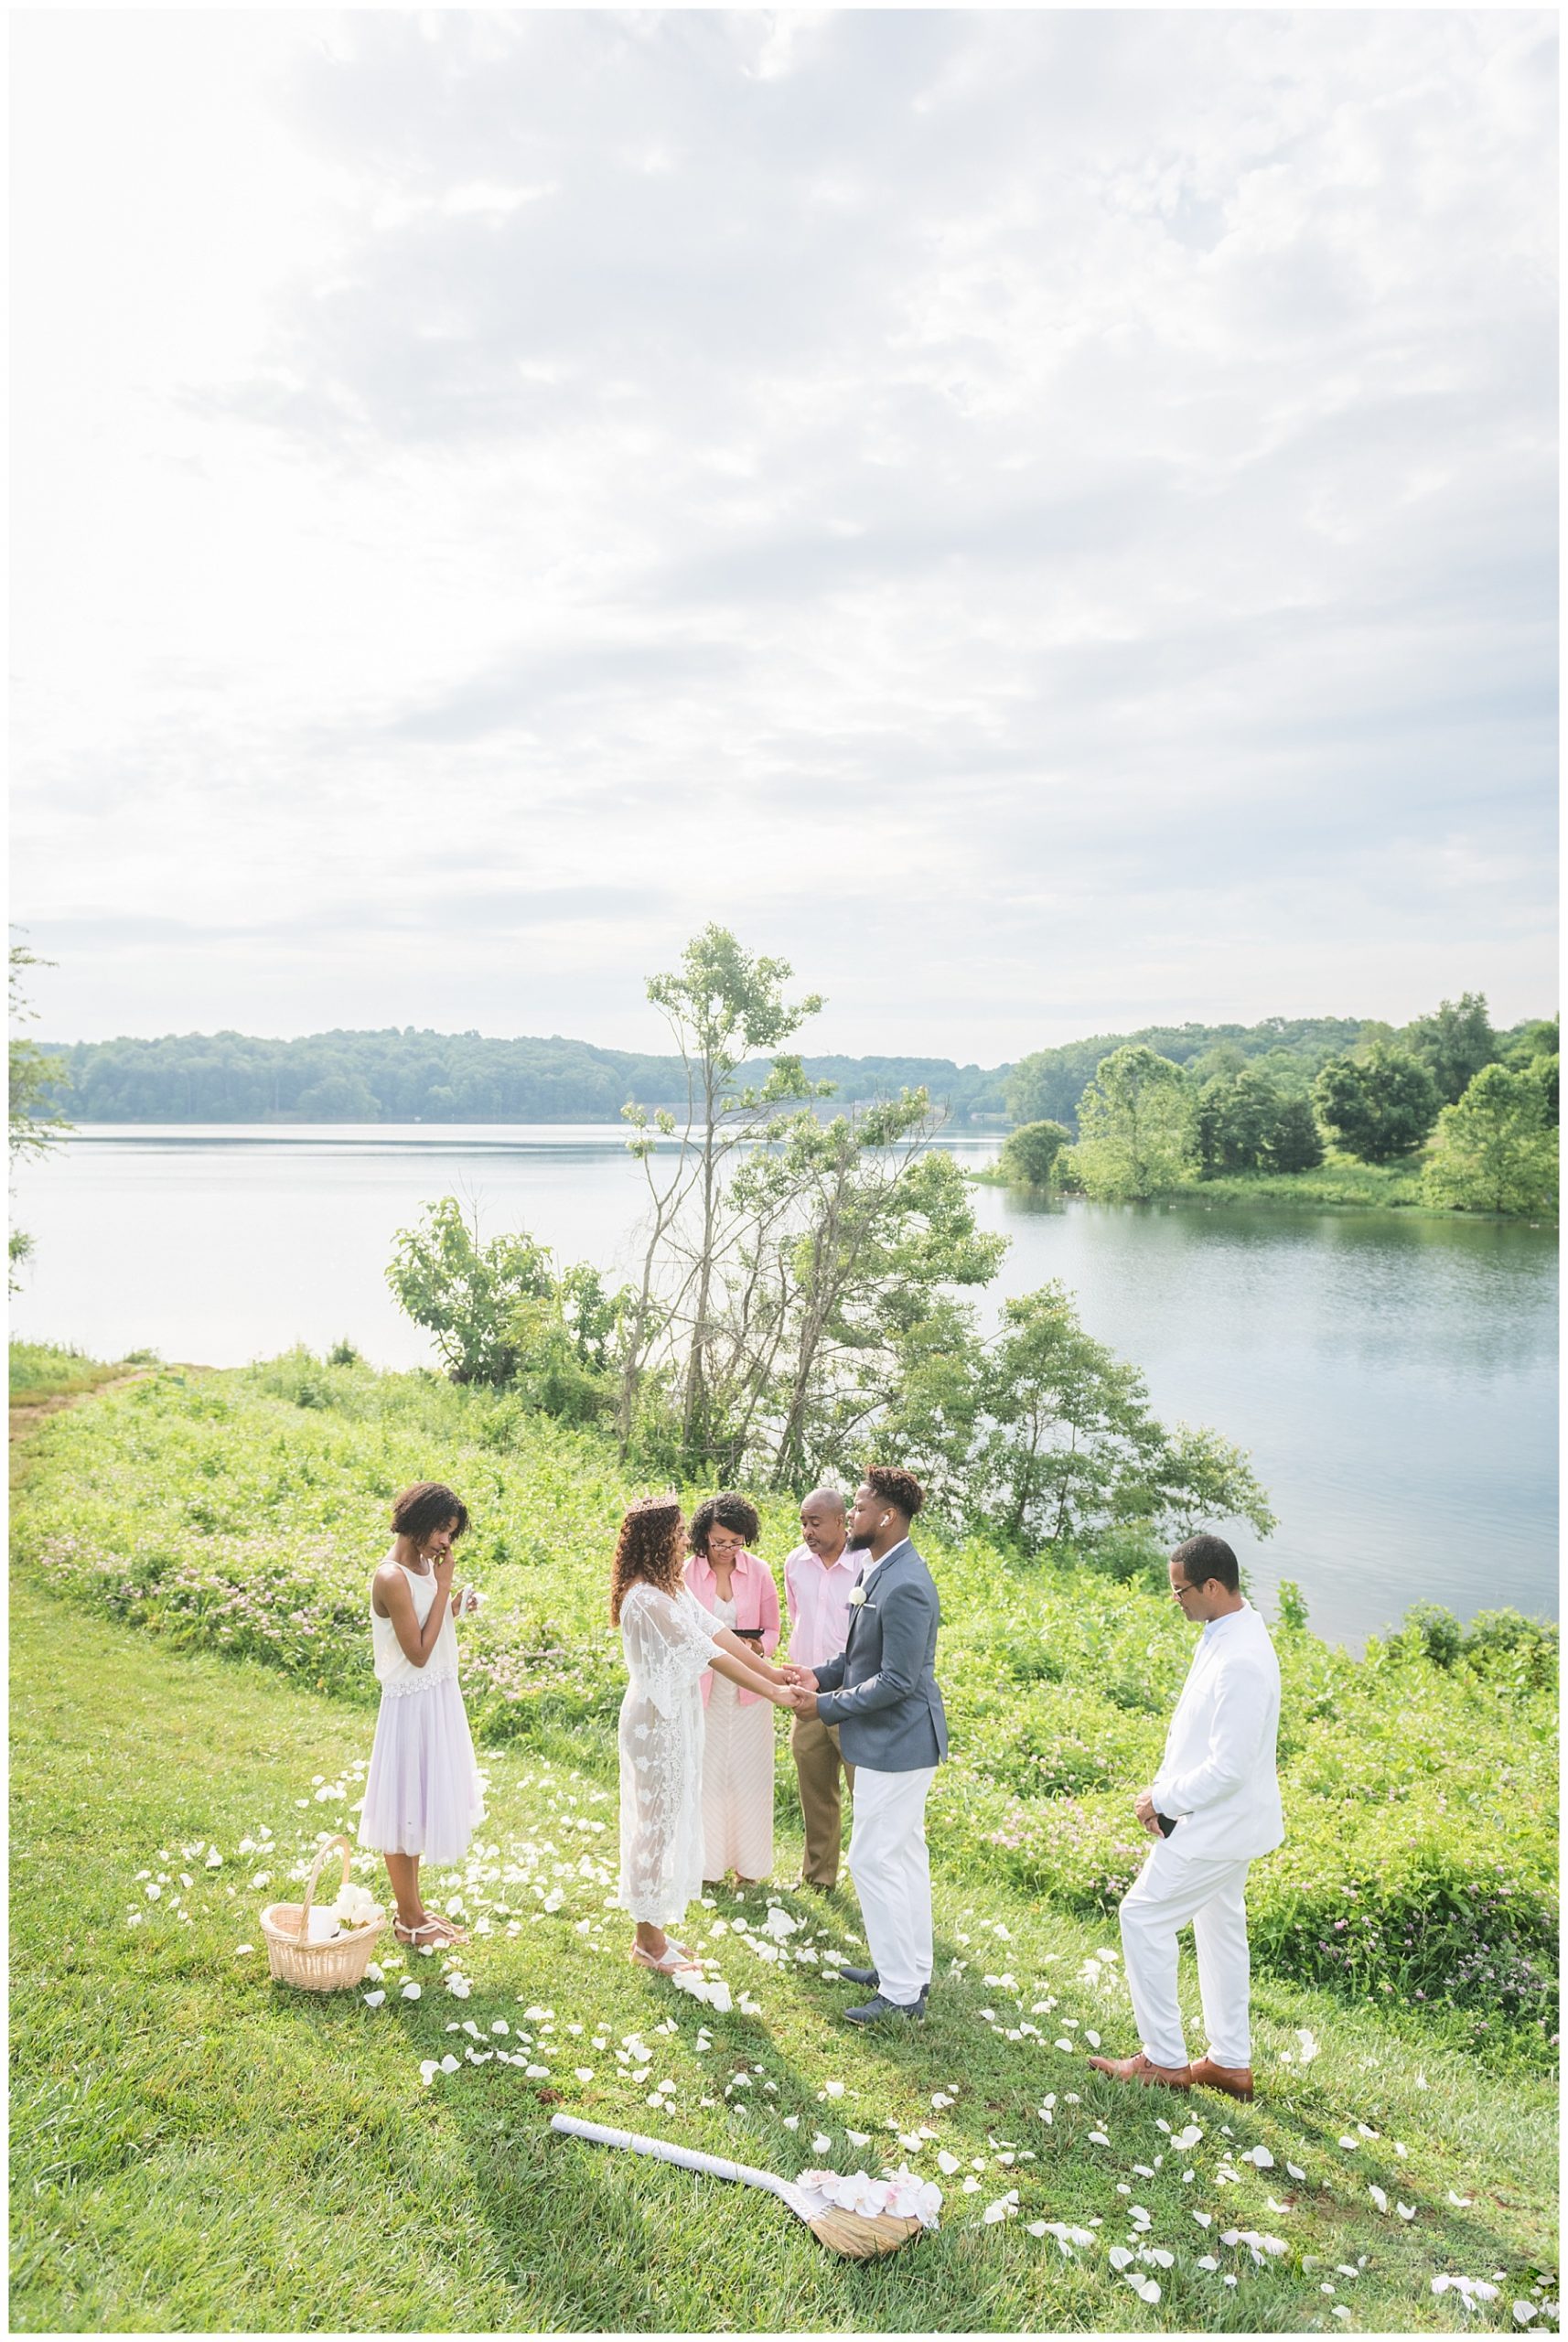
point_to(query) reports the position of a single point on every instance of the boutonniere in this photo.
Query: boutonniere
(857, 1600)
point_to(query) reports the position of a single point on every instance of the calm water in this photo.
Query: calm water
(1394, 1379)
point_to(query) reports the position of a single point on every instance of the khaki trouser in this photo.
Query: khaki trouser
(815, 1746)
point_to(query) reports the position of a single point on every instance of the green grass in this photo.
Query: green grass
(1340, 1181)
(194, 2147)
(241, 1513)
(42, 1370)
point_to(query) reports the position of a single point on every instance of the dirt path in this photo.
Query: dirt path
(26, 1414)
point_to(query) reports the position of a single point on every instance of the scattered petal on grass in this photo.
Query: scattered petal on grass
(412, 1992)
(373, 1999)
(1379, 2198)
(822, 2144)
(1523, 2312)
(1098, 2139)
(1295, 2171)
(1464, 2202)
(858, 2138)
(1405, 2211)
(1260, 2156)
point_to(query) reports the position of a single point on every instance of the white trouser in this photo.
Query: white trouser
(891, 1874)
(1211, 1891)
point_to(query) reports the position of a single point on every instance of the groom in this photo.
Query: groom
(883, 1695)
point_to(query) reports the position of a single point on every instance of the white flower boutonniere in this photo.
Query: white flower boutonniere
(857, 1600)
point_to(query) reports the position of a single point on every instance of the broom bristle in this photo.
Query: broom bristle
(860, 2236)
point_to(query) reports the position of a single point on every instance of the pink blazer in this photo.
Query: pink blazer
(755, 1606)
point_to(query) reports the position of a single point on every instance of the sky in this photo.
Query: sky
(1045, 521)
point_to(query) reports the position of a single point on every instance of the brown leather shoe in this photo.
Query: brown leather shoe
(1236, 2081)
(1141, 2069)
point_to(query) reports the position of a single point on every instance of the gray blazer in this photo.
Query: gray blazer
(882, 1690)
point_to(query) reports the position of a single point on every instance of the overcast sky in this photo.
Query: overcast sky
(1046, 520)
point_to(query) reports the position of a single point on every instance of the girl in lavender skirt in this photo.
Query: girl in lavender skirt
(423, 1795)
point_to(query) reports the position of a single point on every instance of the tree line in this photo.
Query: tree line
(801, 1303)
(1479, 1106)
(402, 1075)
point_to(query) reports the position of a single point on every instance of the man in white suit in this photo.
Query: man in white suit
(1212, 1808)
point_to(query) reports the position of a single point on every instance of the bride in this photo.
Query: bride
(670, 1641)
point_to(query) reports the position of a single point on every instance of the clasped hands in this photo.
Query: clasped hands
(800, 1688)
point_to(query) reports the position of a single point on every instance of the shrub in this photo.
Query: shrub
(1029, 1154)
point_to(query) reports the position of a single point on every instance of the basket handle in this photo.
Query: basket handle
(346, 1850)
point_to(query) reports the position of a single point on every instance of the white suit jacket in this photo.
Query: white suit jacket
(1219, 1777)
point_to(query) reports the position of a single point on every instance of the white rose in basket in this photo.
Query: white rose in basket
(356, 1907)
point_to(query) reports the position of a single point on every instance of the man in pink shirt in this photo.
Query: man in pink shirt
(817, 1577)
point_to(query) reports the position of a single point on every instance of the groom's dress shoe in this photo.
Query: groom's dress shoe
(876, 2008)
(869, 1976)
(1236, 2081)
(1143, 2069)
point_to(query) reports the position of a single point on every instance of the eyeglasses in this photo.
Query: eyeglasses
(1177, 1590)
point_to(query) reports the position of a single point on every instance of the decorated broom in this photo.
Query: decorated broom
(857, 2235)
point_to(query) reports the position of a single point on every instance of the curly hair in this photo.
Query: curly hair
(429, 1505)
(725, 1511)
(900, 1490)
(649, 1549)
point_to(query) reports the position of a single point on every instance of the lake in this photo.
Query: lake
(1393, 1377)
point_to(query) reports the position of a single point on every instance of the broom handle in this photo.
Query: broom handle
(716, 2167)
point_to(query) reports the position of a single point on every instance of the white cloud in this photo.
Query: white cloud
(1043, 518)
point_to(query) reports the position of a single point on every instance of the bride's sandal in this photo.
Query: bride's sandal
(675, 1957)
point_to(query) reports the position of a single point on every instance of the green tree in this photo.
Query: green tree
(1378, 1105)
(35, 1123)
(565, 1344)
(722, 1006)
(859, 1234)
(1497, 1149)
(1454, 1043)
(1294, 1142)
(1524, 1043)
(1135, 1124)
(1029, 1154)
(467, 1293)
(1194, 1479)
(1042, 1436)
(338, 1098)
(1234, 1118)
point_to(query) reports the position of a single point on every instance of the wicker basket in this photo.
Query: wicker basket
(317, 1967)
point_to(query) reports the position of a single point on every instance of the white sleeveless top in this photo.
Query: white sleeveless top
(395, 1671)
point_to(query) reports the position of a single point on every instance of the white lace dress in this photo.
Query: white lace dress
(667, 1641)
(423, 1792)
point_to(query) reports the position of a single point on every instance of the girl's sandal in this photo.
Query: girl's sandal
(675, 1957)
(434, 1928)
(454, 1933)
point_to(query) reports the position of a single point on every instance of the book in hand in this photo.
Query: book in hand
(1166, 1824)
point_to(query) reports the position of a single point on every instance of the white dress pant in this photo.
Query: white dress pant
(1209, 1890)
(891, 1874)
